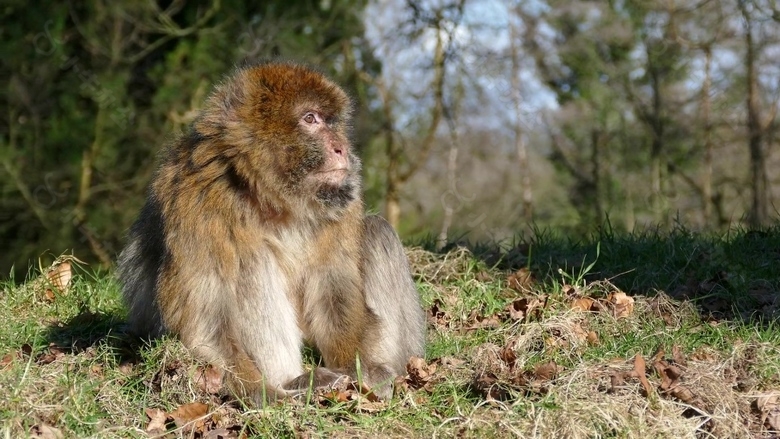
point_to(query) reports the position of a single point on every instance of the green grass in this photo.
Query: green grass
(716, 298)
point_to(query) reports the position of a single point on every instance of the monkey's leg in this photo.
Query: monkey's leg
(391, 294)
(135, 265)
(264, 326)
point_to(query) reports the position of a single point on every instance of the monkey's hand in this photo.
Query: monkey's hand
(319, 377)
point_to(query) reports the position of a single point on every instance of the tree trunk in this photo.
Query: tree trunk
(520, 145)
(758, 180)
(452, 168)
(595, 161)
(656, 150)
(706, 184)
(392, 198)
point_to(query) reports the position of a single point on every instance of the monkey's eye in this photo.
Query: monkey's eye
(310, 118)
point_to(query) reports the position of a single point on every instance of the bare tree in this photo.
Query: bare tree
(402, 162)
(759, 205)
(517, 100)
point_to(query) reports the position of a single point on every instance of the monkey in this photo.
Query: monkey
(253, 242)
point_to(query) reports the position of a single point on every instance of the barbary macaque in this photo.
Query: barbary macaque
(253, 241)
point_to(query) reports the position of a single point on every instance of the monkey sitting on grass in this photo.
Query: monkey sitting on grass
(253, 241)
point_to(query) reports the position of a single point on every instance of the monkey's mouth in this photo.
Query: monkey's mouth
(334, 171)
(332, 177)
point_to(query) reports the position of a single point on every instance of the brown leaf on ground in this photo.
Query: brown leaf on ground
(96, 370)
(126, 367)
(521, 309)
(622, 304)
(583, 304)
(659, 354)
(639, 370)
(451, 362)
(60, 276)
(157, 420)
(671, 383)
(55, 353)
(592, 338)
(479, 321)
(44, 431)
(436, 315)
(769, 406)
(678, 356)
(208, 379)
(521, 280)
(347, 390)
(546, 371)
(616, 381)
(220, 433)
(488, 385)
(420, 374)
(508, 355)
(663, 308)
(8, 359)
(190, 412)
(484, 276)
(335, 396)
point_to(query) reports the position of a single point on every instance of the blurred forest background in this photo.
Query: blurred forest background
(476, 119)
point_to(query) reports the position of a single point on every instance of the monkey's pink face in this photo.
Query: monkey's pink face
(336, 162)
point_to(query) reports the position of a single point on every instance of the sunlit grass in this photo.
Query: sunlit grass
(66, 364)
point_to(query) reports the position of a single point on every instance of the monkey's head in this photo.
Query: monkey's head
(284, 128)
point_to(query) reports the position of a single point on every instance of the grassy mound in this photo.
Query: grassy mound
(630, 336)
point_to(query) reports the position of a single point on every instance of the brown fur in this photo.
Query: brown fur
(246, 247)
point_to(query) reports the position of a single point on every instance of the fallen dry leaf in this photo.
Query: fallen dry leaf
(546, 371)
(43, 431)
(55, 353)
(157, 419)
(508, 355)
(639, 370)
(436, 314)
(8, 359)
(570, 290)
(592, 338)
(482, 322)
(421, 374)
(769, 407)
(583, 304)
(487, 384)
(622, 304)
(189, 412)
(678, 356)
(671, 383)
(208, 379)
(126, 367)
(220, 433)
(524, 308)
(96, 370)
(346, 390)
(60, 276)
(616, 380)
(522, 280)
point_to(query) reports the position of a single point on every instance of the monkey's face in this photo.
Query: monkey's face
(328, 168)
(299, 120)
